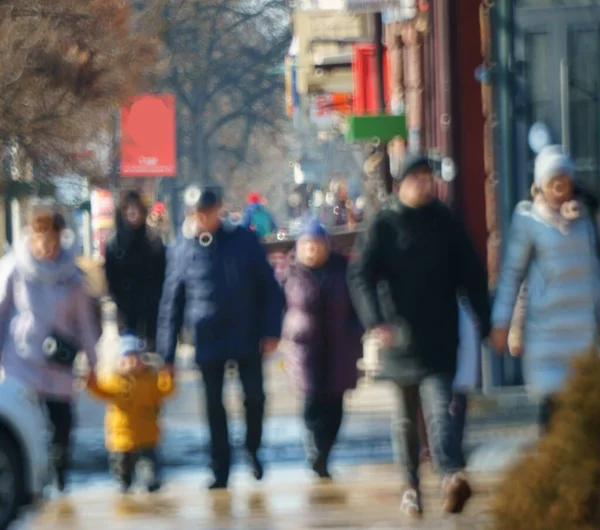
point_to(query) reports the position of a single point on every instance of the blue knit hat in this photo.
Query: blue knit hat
(130, 344)
(313, 228)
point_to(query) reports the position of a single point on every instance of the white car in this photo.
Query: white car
(24, 459)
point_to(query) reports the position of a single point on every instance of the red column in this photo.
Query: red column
(469, 122)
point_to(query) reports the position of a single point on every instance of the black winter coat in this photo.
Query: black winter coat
(135, 272)
(412, 265)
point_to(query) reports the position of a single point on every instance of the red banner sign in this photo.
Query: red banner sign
(341, 103)
(148, 137)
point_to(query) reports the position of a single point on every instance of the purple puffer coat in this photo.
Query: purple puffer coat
(321, 337)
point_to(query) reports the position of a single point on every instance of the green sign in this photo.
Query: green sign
(381, 128)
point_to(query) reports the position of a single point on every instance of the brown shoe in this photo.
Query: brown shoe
(456, 493)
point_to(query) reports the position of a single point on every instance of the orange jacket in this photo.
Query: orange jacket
(133, 407)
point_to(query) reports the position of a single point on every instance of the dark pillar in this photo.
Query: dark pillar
(386, 173)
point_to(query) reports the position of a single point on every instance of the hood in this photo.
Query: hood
(62, 270)
(393, 203)
(251, 208)
(125, 234)
(335, 263)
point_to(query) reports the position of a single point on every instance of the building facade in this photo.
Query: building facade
(525, 73)
(479, 82)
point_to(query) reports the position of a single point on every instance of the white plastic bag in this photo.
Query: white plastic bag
(468, 370)
(371, 361)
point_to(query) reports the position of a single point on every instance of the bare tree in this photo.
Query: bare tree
(65, 67)
(225, 57)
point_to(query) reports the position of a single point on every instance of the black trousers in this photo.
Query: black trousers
(144, 464)
(458, 412)
(250, 370)
(61, 418)
(547, 411)
(323, 418)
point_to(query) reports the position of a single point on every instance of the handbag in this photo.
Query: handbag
(60, 350)
(468, 370)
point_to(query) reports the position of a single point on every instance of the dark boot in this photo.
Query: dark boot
(154, 486)
(321, 468)
(218, 484)
(60, 480)
(258, 469)
(124, 486)
(148, 470)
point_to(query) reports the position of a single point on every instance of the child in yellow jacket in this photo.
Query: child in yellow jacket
(134, 395)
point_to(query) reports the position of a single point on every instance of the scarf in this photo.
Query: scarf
(559, 218)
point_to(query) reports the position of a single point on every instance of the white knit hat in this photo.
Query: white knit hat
(552, 162)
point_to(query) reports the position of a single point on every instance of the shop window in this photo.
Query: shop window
(556, 3)
(584, 100)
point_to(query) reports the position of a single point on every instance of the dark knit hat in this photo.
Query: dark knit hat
(313, 228)
(203, 197)
(411, 163)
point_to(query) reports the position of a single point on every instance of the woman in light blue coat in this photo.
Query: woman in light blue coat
(553, 246)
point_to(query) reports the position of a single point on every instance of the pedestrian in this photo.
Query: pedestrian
(220, 283)
(553, 246)
(134, 392)
(257, 218)
(321, 338)
(135, 270)
(47, 318)
(414, 261)
(158, 220)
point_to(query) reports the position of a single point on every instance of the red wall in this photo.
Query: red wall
(468, 120)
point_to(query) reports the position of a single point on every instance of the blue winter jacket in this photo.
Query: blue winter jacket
(562, 272)
(226, 292)
(248, 219)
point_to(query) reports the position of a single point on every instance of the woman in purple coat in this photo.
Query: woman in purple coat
(321, 338)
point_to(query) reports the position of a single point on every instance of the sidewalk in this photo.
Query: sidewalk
(366, 497)
(496, 433)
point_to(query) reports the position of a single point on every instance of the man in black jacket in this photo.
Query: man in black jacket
(135, 270)
(414, 262)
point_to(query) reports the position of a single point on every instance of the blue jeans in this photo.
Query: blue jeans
(434, 394)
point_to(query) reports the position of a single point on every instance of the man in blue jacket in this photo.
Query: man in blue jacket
(220, 283)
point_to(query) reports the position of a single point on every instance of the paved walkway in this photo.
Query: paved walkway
(367, 490)
(364, 497)
(496, 433)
